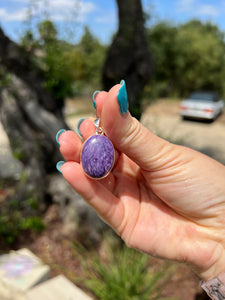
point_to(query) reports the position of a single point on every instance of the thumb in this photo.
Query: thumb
(129, 136)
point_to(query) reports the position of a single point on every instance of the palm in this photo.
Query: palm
(152, 216)
(144, 214)
(164, 199)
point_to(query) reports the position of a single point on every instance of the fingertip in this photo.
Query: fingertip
(115, 100)
(113, 119)
(74, 175)
(78, 128)
(59, 166)
(70, 145)
(58, 134)
(87, 128)
(122, 98)
(71, 171)
(94, 96)
(113, 92)
(100, 98)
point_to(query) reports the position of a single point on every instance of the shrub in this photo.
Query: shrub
(124, 274)
(15, 219)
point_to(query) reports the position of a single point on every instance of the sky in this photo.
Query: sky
(100, 15)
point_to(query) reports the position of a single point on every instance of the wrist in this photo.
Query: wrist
(215, 287)
(214, 266)
(213, 277)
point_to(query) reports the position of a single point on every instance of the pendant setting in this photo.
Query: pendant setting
(97, 154)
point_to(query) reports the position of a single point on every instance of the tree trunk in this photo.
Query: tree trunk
(18, 61)
(31, 130)
(25, 147)
(31, 118)
(128, 57)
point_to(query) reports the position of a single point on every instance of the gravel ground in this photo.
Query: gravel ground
(163, 119)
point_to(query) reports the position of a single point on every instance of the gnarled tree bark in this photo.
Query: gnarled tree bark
(128, 57)
(18, 61)
(31, 118)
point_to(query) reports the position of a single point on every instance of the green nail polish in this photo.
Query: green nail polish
(57, 136)
(122, 98)
(93, 98)
(78, 127)
(59, 165)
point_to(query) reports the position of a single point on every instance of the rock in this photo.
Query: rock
(21, 270)
(75, 212)
(10, 168)
(57, 288)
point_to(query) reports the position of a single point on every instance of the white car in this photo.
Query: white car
(202, 105)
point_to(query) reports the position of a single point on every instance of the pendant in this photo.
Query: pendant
(97, 155)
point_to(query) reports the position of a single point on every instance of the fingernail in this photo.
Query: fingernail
(122, 98)
(57, 136)
(93, 98)
(78, 127)
(59, 165)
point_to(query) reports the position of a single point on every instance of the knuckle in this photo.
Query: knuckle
(132, 132)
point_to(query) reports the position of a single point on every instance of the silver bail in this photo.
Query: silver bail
(97, 124)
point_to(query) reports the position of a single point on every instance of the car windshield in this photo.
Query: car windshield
(201, 96)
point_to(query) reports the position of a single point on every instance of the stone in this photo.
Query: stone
(21, 270)
(58, 288)
(97, 156)
(10, 168)
(75, 212)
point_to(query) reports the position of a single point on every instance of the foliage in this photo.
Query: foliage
(47, 32)
(58, 75)
(92, 55)
(67, 68)
(204, 53)
(4, 77)
(15, 219)
(187, 57)
(124, 274)
(86, 62)
(28, 42)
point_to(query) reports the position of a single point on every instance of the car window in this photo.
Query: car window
(201, 96)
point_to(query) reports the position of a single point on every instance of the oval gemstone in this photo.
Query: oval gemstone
(97, 156)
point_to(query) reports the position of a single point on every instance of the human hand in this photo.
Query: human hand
(163, 199)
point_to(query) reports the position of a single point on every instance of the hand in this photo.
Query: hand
(163, 199)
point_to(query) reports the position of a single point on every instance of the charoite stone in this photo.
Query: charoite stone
(97, 156)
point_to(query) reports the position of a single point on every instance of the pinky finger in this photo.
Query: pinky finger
(109, 207)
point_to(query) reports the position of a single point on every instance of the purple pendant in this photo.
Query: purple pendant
(97, 156)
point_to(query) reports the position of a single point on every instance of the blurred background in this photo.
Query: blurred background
(53, 56)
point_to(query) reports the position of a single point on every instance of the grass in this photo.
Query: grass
(122, 273)
(18, 218)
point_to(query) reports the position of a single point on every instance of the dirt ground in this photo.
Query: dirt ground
(163, 119)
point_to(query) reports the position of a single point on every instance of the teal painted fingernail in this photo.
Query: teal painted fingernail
(78, 127)
(93, 98)
(122, 98)
(57, 136)
(59, 165)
